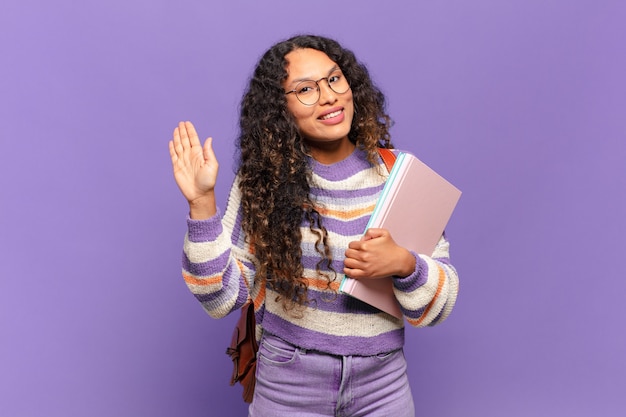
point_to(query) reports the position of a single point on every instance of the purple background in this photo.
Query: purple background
(521, 104)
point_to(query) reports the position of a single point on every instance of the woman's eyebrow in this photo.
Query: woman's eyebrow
(298, 80)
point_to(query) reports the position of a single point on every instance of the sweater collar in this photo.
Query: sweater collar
(355, 162)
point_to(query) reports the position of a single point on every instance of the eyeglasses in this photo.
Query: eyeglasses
(308, 91)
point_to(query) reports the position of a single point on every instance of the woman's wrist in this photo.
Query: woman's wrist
(203, 207)
(407, 264)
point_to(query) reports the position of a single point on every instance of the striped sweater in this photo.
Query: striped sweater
(219, 269)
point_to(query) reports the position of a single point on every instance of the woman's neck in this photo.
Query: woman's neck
(331, 152)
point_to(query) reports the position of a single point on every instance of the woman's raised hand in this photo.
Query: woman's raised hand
(195, 169)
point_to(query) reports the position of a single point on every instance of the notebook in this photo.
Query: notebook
(415, 205)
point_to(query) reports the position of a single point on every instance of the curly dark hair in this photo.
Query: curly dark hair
(273, 170)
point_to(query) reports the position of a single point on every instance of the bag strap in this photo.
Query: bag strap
(388, 157)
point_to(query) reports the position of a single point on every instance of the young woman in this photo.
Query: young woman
(308, 178)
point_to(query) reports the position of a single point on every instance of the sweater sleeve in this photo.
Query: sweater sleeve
(427, 296)
(217, 264)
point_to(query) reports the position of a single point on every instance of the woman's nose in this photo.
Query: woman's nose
(327, 95)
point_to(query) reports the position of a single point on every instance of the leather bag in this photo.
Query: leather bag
(242, 350)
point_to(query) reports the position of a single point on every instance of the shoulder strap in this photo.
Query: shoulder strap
(388, 157)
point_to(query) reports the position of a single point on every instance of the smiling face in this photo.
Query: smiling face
(324, 125)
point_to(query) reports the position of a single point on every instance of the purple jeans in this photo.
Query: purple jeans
(293, 382)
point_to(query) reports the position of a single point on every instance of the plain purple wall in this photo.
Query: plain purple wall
(521, 104)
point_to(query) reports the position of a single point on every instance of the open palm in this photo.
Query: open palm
(195, 166)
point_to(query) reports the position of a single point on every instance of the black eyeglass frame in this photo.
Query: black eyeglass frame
(319, 93)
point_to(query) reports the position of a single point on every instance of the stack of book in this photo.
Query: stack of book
(415, 206)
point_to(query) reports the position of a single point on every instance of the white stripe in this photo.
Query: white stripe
(422, 296)
(339, 243)
(201, 252)
(363, 179)
(336, 324)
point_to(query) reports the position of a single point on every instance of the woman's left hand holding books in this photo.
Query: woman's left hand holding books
(377, 255)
